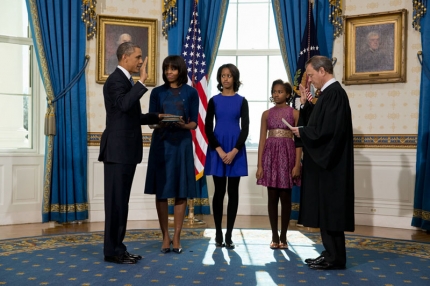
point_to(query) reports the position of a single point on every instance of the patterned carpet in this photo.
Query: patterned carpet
(77, 259)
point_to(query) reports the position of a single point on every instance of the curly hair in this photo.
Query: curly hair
(287, 87)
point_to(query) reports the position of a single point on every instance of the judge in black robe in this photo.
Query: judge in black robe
(327, 191)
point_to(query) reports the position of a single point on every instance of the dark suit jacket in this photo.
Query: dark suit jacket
(122, 139)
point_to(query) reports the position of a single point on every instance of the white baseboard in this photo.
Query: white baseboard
(384, 221)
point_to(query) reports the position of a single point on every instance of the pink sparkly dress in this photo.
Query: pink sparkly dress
(279, 155)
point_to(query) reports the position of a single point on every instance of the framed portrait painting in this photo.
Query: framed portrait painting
(375, 48)
(113, 31)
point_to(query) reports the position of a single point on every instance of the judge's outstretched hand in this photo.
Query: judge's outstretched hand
(296, 131)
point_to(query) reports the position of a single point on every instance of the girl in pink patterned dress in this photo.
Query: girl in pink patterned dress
(279, 159)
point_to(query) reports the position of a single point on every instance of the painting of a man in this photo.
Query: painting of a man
(374, 54)
(118, 34)
(112, 60)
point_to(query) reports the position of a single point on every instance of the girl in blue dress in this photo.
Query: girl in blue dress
(171, 161)
(226, 156)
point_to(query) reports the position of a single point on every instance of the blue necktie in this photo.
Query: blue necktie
(131, 81)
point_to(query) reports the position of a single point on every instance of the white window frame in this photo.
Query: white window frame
(35, 86)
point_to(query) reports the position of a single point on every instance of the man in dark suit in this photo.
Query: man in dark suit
(327, 190)
(121, 146)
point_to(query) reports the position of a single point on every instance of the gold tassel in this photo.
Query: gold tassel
(170, 16)
(335, 17)
(50, 126)
(420, 8)
(89, 17)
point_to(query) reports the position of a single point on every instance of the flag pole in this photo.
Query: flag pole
(195, 60)
(190, 221)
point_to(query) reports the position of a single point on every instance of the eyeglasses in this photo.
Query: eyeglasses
(226, 76)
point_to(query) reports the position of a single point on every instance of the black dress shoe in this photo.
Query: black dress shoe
(120, 259)
(230, 245)
(177, 250)
(317, 260)
(134, 256)
(326, 266)
(219, 244)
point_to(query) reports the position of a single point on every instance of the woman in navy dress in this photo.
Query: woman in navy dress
(171, 161)
(226, 155)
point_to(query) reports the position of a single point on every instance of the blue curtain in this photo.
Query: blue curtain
(290, 18)
(60, 38)
(212, 15)
(421, 216)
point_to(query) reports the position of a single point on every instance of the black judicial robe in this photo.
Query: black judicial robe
(327, 190)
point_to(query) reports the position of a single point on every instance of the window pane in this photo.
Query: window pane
(15, 121)
(253, 22)
(276, 70)
(15, 78)
(273, 34)
(15, 97)
(229, 34)
(13, 15)
(253, 75)
(220, 60)
(256, 109)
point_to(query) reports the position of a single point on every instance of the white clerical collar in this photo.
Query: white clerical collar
(328, 83)
(127, 74)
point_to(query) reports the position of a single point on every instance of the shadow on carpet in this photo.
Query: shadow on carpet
(77, 259)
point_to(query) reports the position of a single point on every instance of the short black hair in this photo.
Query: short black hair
(234, 72)
(178, 63)
(126, 48)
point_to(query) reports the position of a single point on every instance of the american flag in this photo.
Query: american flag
(195, 60)
(308, 48)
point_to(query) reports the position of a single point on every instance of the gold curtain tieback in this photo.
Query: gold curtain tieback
(280, 133)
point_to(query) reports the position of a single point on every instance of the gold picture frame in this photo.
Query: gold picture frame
(112, 30)
(375, 48)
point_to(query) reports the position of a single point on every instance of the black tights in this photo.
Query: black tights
(217, 205)
(274, 194)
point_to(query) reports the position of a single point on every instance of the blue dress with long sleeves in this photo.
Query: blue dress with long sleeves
(231, 130)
